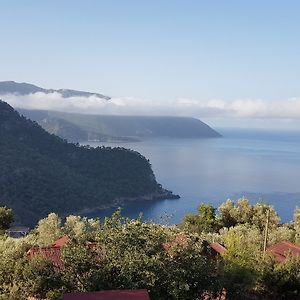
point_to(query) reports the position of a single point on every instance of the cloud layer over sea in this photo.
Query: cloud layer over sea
(287, 110)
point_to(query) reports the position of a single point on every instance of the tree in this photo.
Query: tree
(204, 221)
(226, 217)
(48, 230)
(279, 281)
(231, 214)
(297, 225)
(6, 218)
(132, 254)
(81, 228)
(39, 279)
(238, 272)
(12, 252)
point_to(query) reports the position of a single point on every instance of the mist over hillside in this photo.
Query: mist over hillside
(100, 119)
(16, 88)
(84, 127)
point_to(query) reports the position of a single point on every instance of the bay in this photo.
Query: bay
(260, 165)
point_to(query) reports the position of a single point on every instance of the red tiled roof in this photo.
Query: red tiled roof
(175, 242)
(110, 295)
(51, 252)
(61, 242)
(281, 250)
(217, 247)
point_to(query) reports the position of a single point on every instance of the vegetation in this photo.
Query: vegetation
(40, 173)
(169, 261)
(83, 127)
(6, 218)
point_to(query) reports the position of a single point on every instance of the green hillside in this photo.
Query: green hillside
(83, 127)
(40, 172)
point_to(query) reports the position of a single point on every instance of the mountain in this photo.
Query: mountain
(84, 127)
(41, 173)
(12, 87)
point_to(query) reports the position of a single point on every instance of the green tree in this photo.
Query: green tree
(279, 281)
(48, 230)
(226, 216)
(38, 278)
(296, 224)
(231, 214)
(132, 254)
(204, 221)
(6, 218)
(238, 273)
(12, 253)
(81, 228)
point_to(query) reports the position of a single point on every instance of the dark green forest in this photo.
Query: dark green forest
(40, 172)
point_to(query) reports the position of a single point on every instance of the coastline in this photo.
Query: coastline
(116, 203)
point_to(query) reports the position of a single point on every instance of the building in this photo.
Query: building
(51, 252)
(213, 250)
(282, 249)
(17, 232)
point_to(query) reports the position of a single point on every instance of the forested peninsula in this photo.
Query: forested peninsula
(41, 173)
(76, 127)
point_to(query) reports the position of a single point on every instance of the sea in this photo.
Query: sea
(261, 165)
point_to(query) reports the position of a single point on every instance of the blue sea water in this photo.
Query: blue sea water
(260, 165)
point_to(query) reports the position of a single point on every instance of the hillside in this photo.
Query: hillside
(83, 127)
(12, 87)
(40, 173)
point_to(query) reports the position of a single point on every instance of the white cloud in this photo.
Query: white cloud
(215, 108)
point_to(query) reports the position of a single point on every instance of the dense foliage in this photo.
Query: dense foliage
(40, 173)
(6, 218)
(169, 261)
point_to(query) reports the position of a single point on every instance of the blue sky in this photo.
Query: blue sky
(163, 50)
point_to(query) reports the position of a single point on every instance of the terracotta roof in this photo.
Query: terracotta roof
(61, 242)
(110, 295)
(282, 249)
(174, 243)
(217, 247)
(51, 252)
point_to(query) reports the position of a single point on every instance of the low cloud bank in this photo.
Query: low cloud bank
(238, 109)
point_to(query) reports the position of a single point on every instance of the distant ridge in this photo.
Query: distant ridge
(84, 127)
(12, 87)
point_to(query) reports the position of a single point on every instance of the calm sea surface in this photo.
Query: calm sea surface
(261, 165)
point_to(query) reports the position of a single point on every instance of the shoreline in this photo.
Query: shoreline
(116, 203)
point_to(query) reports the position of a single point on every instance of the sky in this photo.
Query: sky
(231, 63)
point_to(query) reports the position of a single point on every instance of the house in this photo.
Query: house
(282, 249)
(109, 295)
(213, 250)
(51, 252)
(17, 232)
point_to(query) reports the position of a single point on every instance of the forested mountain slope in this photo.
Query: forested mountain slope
(84, 127)
(41, 173)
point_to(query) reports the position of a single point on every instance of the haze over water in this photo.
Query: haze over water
(261, 165)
